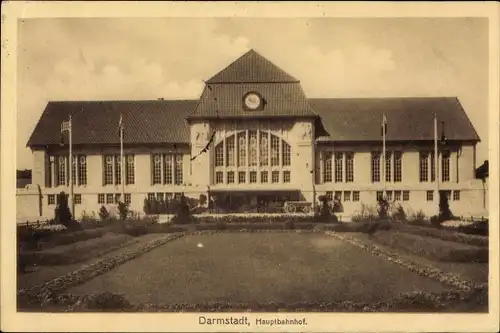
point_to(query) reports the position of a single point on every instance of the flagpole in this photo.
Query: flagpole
(436, 162)
(383, 155)
(71, 195)
(122, 168)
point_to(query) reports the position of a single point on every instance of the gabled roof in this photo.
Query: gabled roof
(226, 101)
(360, 119)
(96, 122)
(252, 68)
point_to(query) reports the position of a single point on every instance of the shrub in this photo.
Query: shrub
(103, 213)
(62, 212)
(107, 301)
(147, 206)
(183, 214)
(383, 207)
(366, 213)
(444, 207)
(399, 214)
(122, 210)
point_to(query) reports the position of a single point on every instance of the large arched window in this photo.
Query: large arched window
(252, 157)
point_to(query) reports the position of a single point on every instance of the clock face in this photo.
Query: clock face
(252, 101)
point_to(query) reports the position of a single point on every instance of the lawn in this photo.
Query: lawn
(257, 267)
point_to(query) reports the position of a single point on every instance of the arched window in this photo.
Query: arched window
(258, 153)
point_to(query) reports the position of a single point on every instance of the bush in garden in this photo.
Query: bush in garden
(103, 213)
(399, 214)
(122, 210)
(444, 207)
(183, 214)
(162, 206)
(62, 212)
(383, 207)
(147, 206)
(107, 301)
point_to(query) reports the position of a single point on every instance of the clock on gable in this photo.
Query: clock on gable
(253, 101)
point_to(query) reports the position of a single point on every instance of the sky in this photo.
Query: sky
(134, 58)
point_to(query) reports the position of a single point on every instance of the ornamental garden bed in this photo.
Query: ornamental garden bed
(447, 235)
(431, 247)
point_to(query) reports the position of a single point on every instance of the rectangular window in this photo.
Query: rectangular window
(109, 198)
(130, 169)
(169, 196)
(286, 176)
(388, 174)
(338, 167)
(430, 195)
(82, 170)
(329, 195)
(406, 195)
(156, 160)
(264, 176)
(275, 150)
(397, 195)
(230, 151)
(398, 166)
(168, 169)
(347, 195)
(61, 171)
(219, 155)
(379, 195)
(252, 137)
(433, 168)
(160, 196)
(456, 195)
(178, 170)
(349, 167)
(241, 177)
(108, 169)
(118, 169)
(128, 198)
(74, 163)
(242, 149)
(264, 149)
(355, 196)
(177, 196)
(117, 198)
(338, 195)
(445, 168)
(423, 166)
(100, 199)
(275, 177)
(253, 176)
(389, 195)
(151, 196)
(286, 154)
(219, 177)
(327, 167)
(78, 199)
(375, 167)
(230, 177)
(51, 198)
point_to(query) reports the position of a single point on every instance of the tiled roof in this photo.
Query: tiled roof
(226, 101)
(96, 122)
(161, 121)
(360, 119)
(251, 68)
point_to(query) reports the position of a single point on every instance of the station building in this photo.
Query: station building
(254, 138)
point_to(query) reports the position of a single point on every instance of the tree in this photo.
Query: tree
(103, 213)
(122, 210)
(147, 206)
(444, 207)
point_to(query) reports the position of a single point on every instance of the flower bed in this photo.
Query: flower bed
(76, 252)
(447, 235)
(432, 248)
(48, 292)
(449, 279)
(417, 301)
